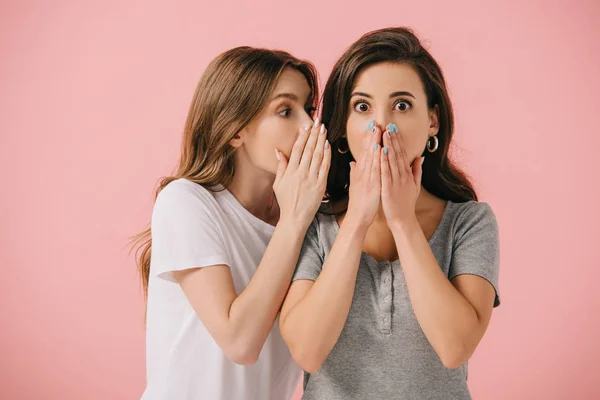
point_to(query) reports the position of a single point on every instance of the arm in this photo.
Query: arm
(240, 324)
(453, 315)
(314, 314)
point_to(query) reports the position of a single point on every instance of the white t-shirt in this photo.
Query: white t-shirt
(193, 227)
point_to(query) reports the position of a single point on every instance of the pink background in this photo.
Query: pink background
(93, 99)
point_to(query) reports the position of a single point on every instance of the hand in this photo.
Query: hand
(300, 182)
(400, 182)
(365, 182)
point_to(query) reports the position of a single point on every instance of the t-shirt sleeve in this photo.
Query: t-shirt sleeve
(184, 233)
(310, 261)
(476, 246)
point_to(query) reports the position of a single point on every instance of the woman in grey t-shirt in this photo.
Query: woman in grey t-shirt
(398, 274)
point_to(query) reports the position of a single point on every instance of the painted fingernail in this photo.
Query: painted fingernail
(277, 155)
(392, 128)
(326, 144)
(316, 122)
(375, 145)
(370, 125)
(385, 150)
(388, 134)
(322, 130)
(351, 165)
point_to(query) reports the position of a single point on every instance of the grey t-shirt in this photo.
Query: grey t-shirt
(382, 353)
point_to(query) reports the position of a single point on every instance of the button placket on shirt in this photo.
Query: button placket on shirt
(385, 299)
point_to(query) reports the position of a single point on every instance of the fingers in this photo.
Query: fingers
(370, 143)
(299, 147)
(404, 163)
(386, 177)
(363, 153)
(281, 166)
(390, 154)
(386, 173)
(375, 165)
(325, 163)
(395, 146)
(417, 170)
(310, 146)
(317, 157)
(397, 156)
(376, 168)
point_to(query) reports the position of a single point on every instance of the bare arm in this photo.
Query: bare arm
(241, 323)
(453, 315)
(314, 314)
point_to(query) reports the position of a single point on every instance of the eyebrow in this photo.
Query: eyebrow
(290, 96)
(395, 94)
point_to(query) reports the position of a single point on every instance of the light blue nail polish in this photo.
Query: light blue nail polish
(375, 146)
(385, 150)
(392, 128)
(370, 125)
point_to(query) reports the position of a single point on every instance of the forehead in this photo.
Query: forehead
(292, 81)
(388, 77)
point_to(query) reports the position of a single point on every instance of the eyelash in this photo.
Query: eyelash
(357, 102)
(310, 111)
(403, 101)
(287, 109)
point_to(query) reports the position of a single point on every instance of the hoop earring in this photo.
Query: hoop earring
(436, 144)
(347, 147)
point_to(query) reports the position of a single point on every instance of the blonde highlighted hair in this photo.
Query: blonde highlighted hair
(233, 90)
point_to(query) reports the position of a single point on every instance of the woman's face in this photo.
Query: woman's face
(277, 126)
(390, 93)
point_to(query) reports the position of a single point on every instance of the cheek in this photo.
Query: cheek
(285, 142)
(414, 139)
(273, 134)
(281, 137)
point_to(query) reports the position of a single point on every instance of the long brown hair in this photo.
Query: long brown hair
(234, 89)
(441, 176)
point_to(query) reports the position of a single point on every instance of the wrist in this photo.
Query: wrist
(405, 226)
(355, 228)
(292, 229)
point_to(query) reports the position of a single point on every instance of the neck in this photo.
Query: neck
(253, 189)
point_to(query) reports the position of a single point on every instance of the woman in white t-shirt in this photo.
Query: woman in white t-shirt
(227, 229)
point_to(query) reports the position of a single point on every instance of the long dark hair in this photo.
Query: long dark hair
(400, 45)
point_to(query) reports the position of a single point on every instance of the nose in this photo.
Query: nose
(306, 120)
(382, 118)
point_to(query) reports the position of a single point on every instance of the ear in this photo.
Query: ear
(434, 121)
(238, 139)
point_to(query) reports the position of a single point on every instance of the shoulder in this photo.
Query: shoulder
(473, 214)
(182, 188)
(473, 210)
(182, 192)
(323, 230)
(184, 197)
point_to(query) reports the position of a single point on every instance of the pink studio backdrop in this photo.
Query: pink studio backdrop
(93, 99)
